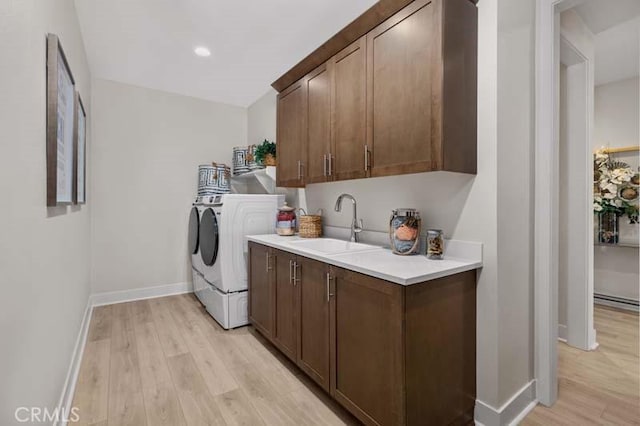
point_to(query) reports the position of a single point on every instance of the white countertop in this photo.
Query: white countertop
(460, 256)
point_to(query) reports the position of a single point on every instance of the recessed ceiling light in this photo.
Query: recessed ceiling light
(202, 51)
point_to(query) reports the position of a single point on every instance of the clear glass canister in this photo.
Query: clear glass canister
(404, 231)
(435, 244)
(286, 222)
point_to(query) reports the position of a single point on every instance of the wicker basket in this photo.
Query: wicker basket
(310, 226)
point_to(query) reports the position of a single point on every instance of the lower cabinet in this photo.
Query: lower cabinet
(261, 293)
(285, 307)
(390, 354)
(315, 301)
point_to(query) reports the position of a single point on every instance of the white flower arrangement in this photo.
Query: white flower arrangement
(611, 176)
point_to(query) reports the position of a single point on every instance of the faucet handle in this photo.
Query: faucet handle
(359, 226)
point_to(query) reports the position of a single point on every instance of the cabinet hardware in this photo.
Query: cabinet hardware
(366, 158)
(268, 262)
(295, 273)
(329, 294)
(324, 164)
(290, 271)
(330, 164)
(300, 165)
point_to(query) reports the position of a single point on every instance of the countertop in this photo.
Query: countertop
(379, 262)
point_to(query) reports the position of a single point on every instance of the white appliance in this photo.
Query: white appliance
(218, 225)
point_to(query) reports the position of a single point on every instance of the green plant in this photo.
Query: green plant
(264, 149)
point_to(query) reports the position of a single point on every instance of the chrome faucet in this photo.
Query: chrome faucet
(356, 225)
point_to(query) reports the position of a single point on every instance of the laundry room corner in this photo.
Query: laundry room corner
(145, 155)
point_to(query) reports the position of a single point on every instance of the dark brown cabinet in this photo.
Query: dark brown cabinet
(421, 95)
(285, 329)
(291, 136)
(318, 87)
(401, 103)
(261, 278)
(314, 307)
(393, 93)
(390, 354)
(368, 339)
(349, 112)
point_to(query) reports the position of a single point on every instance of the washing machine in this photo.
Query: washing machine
(218, 226)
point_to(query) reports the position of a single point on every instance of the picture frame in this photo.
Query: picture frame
(80, 149)
(60, 126)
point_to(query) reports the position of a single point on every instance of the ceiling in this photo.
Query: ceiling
(150, 43)
(600, 15)
(616, 28)
(617, 54)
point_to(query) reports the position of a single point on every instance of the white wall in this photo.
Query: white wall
(515, 195)
(617, 118)
(493, 207)
(262, 118)
(44, 253)
(147, 148)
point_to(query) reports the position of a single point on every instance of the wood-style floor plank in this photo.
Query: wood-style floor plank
(600, 387)
(126, 403)
(216, 375)
(92, 391)
(100, 326)
(160, 397)
(166, 361)
(237, 410)
(198, 405)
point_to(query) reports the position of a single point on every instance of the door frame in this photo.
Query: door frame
(547, 59)
(580, 332)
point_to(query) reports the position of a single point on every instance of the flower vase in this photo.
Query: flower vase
(608, 228)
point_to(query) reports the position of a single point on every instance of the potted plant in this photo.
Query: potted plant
(266, 153)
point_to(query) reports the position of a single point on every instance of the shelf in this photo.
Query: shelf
(617, 245)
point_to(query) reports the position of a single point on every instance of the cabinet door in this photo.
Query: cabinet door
(349, 112)
(401, 134)
(313, 346)
(291, 143)
(261, 274)
(369, 368)
(285, 328)
(318, 85)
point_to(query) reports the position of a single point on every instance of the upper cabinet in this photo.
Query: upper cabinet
(401, 79)
(318, 110)
(393, 93)
(292, 135)
(349, 112)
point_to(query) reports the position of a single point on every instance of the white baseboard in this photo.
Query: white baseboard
(99, 299)
(616, 302)
(512, 412)
(109, 298)
(562, 333)
(68, 390)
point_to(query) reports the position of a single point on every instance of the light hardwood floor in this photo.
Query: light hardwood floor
(167, 362)
(600, 387)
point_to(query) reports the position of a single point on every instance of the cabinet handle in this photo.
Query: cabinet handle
(268, 262)
(300, 165)
(324, 164)
(330, 164)
(329, 294)
(290, 271)
(366, 158)
(295, 273)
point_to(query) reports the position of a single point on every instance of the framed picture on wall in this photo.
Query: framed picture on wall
(60, 126)
(79, 147)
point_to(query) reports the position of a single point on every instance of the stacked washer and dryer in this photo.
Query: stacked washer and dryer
(218, 225)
